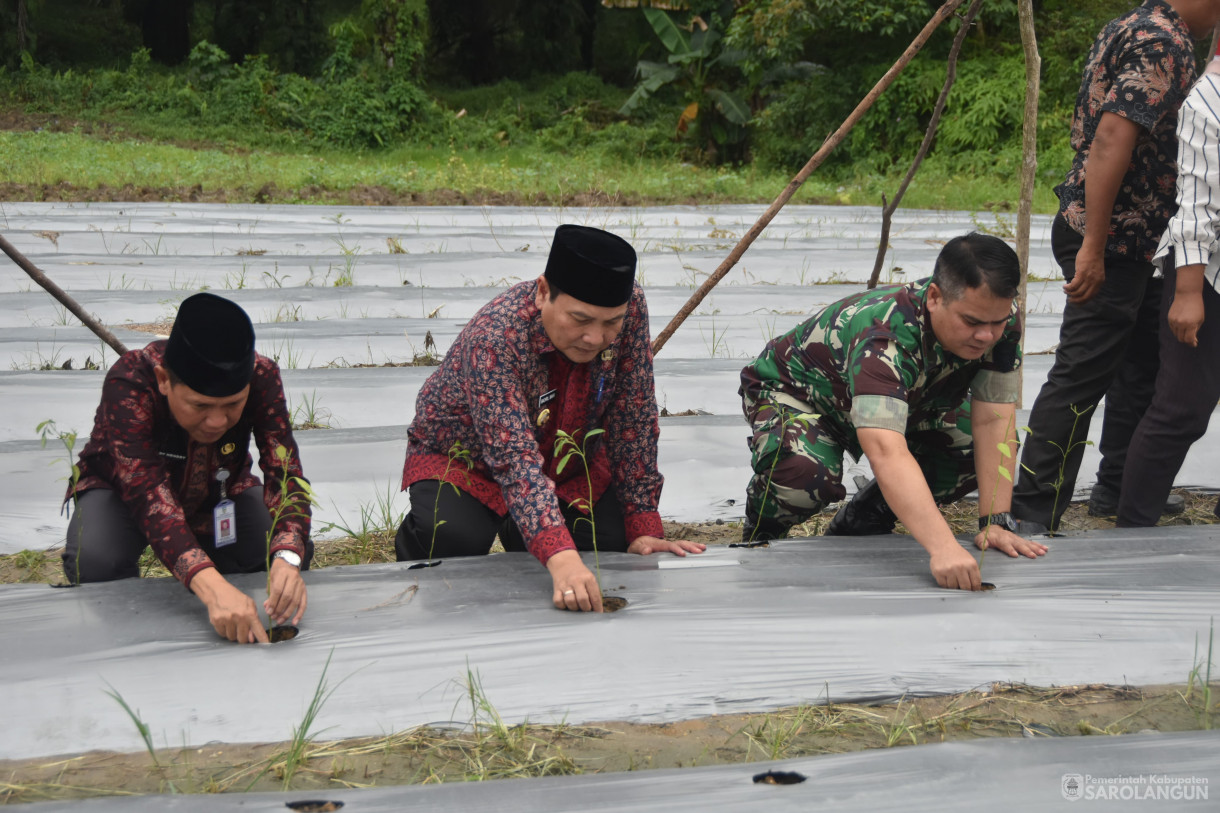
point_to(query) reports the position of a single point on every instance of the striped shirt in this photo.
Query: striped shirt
(1194, 232)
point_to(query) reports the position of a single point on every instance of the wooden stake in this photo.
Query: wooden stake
(827, 147)
(1029, 151)
(887, 209)
(61, 295)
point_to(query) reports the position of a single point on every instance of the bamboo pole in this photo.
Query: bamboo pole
(60, 294)
(827, 147)
(1029, 152)
(888, 208)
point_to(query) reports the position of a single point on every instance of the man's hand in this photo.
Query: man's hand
(954, 568)
(575, 586)
(1090, 274)
(1186, 310)
(1104, 168)
(644, 545)
(286, 593)
(231, 611)
(1186, 317)
(1007, 542)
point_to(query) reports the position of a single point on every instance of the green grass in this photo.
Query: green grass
(534, 174)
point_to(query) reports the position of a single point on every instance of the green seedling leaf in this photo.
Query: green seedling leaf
(1004, 450)
(594, 433)
(1005, 474)
(564, 462)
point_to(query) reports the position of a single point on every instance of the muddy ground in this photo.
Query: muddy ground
(481, 748)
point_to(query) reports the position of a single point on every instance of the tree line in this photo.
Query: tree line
(724, 80)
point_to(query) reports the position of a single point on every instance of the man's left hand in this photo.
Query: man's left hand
(285, 593)
(644, 545)
(1006, 541)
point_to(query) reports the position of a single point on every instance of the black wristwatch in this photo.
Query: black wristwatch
(1004, 519)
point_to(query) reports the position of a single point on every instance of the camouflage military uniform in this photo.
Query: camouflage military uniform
(870, 360)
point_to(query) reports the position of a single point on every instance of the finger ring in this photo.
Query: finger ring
(569, 592)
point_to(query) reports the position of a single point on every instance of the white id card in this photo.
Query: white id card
(224, 521)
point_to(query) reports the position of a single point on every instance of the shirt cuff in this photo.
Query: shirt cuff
(995, 388)
(189, 564)
(288, 540)
(879, 412)
(1190, 254)
(645, 523)
(550, 541)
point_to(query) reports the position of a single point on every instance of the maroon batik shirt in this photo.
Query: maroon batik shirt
(1141, 67)
(167, 480)
(503, 391)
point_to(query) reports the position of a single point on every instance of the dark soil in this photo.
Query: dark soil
(361, 195)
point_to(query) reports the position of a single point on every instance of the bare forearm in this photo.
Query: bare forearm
(907, 494)
(994, 425)
(1104, 169)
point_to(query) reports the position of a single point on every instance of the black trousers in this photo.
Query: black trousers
(1187, 389)
(1107, 346)
(463, 526)
(105, 544)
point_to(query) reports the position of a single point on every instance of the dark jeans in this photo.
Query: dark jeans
(1107, 346)
(1187, 388)
(105, 544)
(463, 526)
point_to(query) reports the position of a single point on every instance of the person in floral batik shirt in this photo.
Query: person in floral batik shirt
(168, 466)
(564, 355)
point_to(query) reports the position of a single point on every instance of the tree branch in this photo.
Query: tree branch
(63, 297)
(827, 147)
(887, 210)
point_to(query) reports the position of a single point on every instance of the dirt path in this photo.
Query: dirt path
(484, 749)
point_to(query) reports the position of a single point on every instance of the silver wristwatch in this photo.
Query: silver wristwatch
(291, 557)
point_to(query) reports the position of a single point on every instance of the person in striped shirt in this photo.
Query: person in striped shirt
(1188, 383)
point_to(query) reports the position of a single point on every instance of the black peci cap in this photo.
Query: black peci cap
(211, 346)
(591, 265)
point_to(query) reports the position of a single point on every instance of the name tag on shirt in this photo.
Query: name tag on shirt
(547, 397)
(224, 522)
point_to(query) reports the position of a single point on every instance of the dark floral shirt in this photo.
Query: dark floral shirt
(1141, 68)
(167, 480)
(503, 391)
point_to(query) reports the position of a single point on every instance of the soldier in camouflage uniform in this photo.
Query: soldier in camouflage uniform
(895, 374)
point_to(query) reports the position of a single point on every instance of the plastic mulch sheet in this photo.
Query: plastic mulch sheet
(730, 630)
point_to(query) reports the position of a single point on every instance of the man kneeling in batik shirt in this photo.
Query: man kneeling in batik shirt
(564, 355)
(168, 465)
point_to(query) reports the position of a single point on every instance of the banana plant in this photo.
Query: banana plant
(717, 114)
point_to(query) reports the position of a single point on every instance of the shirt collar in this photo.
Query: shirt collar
(539, 342)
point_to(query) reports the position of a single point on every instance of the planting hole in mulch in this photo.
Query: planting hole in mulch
(425, 563)
(988, 586)
(612, 604)
(314, 806)
(778, 778)
(285, 633)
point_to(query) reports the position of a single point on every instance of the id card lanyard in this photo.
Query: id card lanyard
(224, 515)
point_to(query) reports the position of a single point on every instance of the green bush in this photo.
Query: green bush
(980, 127)
(351, 108)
